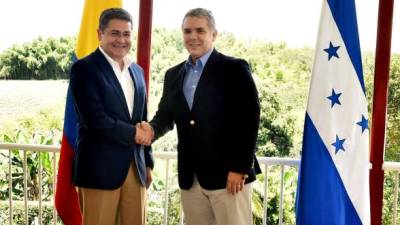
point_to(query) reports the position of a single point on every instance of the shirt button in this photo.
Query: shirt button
(192, 122)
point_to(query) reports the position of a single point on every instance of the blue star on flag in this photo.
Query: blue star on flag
(363, 123)
(338, 144)
(332, 51)
(334, 98)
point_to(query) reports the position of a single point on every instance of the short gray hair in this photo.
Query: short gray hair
(202, 13)
(113, 13)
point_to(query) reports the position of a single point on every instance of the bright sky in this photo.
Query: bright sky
(292, 21)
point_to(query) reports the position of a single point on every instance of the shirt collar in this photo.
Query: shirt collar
(203, 60)
(127, 60)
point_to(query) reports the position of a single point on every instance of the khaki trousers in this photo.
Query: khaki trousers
(216, 207)
(122, 206)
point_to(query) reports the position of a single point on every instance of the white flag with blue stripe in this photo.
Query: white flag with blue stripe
(333, 187)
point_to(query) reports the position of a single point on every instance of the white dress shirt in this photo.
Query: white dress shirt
(124, 78)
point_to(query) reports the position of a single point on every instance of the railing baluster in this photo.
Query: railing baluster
(166, 194)
(40, 187)
(54, 187)
(281, 196)
(265, 202)
(10, 185)
(396, 190)
(25, 174)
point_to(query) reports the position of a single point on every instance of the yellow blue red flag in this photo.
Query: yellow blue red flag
(66, 199)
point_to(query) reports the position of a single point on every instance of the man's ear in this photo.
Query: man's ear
(99, 34)
(214, 34)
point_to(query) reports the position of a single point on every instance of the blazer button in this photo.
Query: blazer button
(192, 122)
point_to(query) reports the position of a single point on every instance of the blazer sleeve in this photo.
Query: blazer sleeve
(244, 109)
(85, 90)
(162, 121)
(138, 71)
(148, 152)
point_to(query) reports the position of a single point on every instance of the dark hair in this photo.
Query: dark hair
(202, 13)
(113, 13)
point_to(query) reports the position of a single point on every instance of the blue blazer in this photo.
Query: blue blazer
(219, 133)
(106, 133)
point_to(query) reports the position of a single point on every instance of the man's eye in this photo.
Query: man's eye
(115, 34)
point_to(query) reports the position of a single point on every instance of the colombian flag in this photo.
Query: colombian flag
(66, 198)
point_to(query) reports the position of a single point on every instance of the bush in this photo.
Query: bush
(33, 213)
(39, 60)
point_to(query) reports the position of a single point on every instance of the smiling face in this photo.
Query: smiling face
(115, 39)
(198, 37)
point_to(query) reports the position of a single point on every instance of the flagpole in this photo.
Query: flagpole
(144, 38)
(381, 79)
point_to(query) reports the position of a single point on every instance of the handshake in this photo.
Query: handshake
(144, 133)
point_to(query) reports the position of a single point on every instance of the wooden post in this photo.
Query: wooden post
(144, 38)
(378, 128)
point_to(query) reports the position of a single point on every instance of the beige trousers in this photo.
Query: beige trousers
(122, 206)
(216, 207)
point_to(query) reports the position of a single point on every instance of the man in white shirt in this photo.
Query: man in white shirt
(111, 170)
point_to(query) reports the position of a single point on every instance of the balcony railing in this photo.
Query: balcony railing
(164, 163)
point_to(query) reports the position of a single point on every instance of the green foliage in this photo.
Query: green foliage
(33, 214)
(393, 108)
(393, 120)
(275, 133)
(40, 60)
(388, 198)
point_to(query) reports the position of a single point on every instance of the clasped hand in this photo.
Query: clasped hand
(144, 133)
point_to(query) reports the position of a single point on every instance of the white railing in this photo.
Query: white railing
(25, 148)
(165, 157)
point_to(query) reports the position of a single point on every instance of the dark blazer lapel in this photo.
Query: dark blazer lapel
(179, 82)
(140, 92)
(206, 76)
(108, 71)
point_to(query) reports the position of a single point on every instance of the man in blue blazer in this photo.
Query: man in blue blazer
(213, 101)
(111, 169)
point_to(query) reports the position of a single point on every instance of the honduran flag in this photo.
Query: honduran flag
(333, 185)
(66, 199)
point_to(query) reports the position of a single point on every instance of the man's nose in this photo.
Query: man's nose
(193, 35)
(122, 39)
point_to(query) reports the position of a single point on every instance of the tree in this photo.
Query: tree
(40, 60)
